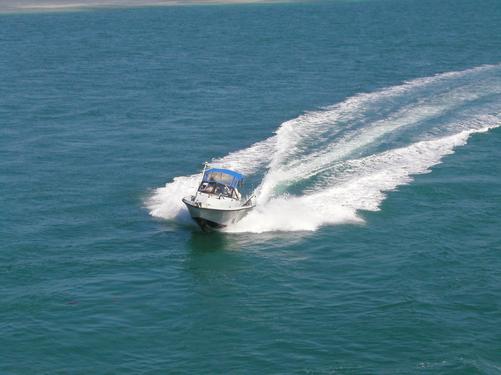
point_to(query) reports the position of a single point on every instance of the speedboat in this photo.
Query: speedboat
(218, 202)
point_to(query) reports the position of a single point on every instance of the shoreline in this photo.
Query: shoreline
(50, 7)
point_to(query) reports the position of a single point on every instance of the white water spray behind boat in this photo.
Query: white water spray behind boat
(323, 167)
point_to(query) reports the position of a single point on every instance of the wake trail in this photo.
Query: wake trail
(324, 166)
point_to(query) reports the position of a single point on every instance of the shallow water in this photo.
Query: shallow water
(370, 129)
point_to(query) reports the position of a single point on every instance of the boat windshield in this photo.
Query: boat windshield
(218, 189)
(223, 176)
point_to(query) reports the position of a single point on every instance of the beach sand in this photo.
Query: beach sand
(68, 5)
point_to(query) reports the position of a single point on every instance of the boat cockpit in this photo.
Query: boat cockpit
(219, 190)
(222, 183)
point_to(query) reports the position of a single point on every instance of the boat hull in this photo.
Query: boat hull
(215, 218)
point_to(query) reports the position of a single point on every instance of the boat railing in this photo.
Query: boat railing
(248, 202)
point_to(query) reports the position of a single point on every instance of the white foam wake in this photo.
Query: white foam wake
(324, 166)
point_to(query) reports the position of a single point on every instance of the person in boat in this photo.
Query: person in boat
(222, 183)
(211, 188)
(204, 187)
(219, 189)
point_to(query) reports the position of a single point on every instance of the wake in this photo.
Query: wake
(324, 166)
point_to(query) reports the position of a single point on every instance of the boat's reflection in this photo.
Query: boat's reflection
(219, 255)
(209, 242)
(206, 242)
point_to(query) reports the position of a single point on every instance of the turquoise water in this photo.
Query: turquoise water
(370, 129)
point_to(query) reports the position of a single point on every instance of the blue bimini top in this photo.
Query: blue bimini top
(223, 176)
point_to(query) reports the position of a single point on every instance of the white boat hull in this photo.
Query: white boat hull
(215, 218)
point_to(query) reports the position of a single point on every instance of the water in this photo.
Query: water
(371, 130)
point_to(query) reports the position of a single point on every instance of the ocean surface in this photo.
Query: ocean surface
(370, 129)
